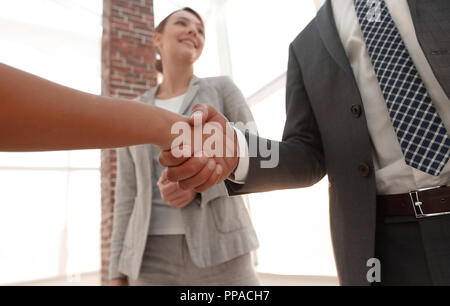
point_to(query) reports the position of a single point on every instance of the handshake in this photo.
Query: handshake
(197, 162)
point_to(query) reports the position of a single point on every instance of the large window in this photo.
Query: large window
(248, 40)
(50, 202)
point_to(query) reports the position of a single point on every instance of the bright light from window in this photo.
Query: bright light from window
(292, 225)
(50, 202)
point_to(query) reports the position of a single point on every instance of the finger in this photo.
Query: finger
(174, 202)
(180, 203)
(177, 194)
(200, 178)
(199, 115)
(177, 200)
(213, 180)
(167, 159)
(168, 190)
(184, 204)
(187, 169)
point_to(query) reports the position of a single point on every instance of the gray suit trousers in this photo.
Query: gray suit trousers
(167, 262)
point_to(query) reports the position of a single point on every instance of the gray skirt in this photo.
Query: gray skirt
(167, 262)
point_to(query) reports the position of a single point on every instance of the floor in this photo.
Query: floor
(93, 279)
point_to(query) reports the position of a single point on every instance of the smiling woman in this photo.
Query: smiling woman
(180, 237)
(185, 18)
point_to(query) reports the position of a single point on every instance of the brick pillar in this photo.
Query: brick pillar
(127, 71)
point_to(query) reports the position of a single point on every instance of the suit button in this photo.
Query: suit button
(356, 110)
(364, 169)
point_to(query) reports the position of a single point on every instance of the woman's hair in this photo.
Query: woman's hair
(162, 25)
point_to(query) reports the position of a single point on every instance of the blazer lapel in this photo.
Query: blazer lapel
(143, 151)
(190, 95)
(330, 37)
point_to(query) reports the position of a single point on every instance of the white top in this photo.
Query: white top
(172, 104)
(164, 220)
(391, 172)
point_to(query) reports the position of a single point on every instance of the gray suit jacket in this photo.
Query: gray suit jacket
(218, 228)
(326, 130)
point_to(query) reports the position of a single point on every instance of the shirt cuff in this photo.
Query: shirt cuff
(240, 173)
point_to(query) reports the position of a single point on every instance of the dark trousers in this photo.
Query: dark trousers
(413, 251)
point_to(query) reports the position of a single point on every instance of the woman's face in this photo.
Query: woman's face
(183, 37)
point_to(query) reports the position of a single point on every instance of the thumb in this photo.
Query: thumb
(200, 114)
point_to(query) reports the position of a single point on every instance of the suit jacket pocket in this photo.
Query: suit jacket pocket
(229, 213)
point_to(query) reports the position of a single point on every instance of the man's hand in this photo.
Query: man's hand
(198, 172)
(173, 194)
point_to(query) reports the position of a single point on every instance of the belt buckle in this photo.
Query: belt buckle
(417, 204)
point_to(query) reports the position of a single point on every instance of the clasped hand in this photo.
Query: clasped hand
(209, 166)
(172, 194)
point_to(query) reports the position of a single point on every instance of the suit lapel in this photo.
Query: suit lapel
(330, 37)
(144, 152)
(190, 95)
(412, 6)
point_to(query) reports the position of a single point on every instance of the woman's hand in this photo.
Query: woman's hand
(173, 194)
(119, 282)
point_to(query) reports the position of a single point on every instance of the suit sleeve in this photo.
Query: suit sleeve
(301, 161)
(123, 207)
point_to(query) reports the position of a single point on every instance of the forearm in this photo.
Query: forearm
(38, 115)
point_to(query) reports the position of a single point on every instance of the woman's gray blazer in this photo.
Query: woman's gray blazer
(218, 228)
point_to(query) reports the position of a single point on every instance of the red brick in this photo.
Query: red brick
(127, 71)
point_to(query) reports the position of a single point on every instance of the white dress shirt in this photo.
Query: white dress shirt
(391, 172)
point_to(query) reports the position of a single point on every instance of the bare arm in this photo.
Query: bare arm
(38, 115)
